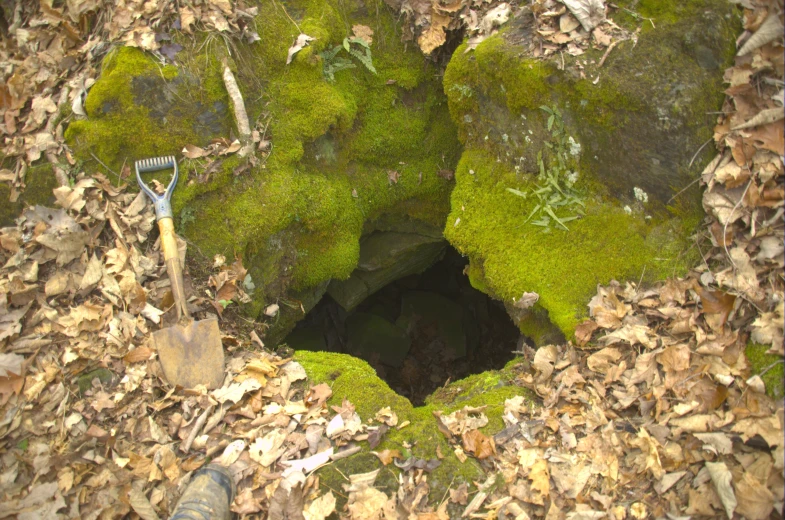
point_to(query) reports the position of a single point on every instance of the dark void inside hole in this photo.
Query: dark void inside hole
(418, 332)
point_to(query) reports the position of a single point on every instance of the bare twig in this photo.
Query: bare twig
(107, 167)
(51, 156)
(607, 51)
(287, 15)
(728, 220)
(215, 420)
(186, 446)
(699, 151)
(240, 115)
(345, 453)
(685, 188)
(763, 372)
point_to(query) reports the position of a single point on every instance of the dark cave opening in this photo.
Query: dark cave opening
(419, 332)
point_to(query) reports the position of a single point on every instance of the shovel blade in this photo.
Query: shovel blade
(191, 355)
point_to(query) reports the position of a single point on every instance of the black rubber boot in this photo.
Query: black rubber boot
(208, 497)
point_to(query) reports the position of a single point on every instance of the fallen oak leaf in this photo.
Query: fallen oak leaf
(318, 395)
(478, 444)
(540, 477)
(584, 331)
(441, 426)
(194, 152)
(387, 456)
(721, 478)
(715, 302)
(320, 508)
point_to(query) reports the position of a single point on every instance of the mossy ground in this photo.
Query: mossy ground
(353, 379)
(774, 378)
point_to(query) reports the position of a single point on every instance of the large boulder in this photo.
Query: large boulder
(575, 173)
(350, 150)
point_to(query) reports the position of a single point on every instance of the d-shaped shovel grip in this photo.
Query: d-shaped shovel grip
(163, 214)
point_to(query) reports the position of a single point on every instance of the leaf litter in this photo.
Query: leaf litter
(652, 413)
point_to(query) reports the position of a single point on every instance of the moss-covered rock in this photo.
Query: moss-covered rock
(353, 379)
(630, 130)
(297, 219)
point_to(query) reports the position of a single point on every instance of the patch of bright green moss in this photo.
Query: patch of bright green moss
(774, 378)
(334, 146)
(297, 219)
(353, 379)
(121, 128)
(563, 267)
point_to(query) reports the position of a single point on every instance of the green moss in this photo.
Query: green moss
(141, 109)
(353, 379)
(651, 100)
(536, 325)
(39, 183)
(334, 145)
(774, 378)
(563, 267)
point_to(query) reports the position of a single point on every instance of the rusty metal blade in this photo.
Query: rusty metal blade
(191, 355)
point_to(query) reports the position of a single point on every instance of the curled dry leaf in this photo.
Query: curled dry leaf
(302, 41)
(770, 30)
(476, 443)
(387, 456)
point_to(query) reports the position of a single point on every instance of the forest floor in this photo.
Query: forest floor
(651, 411)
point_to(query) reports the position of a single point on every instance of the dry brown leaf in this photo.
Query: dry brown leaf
(721, 478)
(364, 32)
(302, 41)
(584, 331)
(755, 500)
(138, 354)
(434, 35)
(540, 477)
(478, 444)
(387, 456)
(320, 508)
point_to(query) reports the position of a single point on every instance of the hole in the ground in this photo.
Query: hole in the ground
(418, 332)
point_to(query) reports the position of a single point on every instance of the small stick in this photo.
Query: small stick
(218, 447)
(725, 228)
(243, 125)
(607, 51)
(186, 446)
(105, 166)
(215, 420)
(763, 372)
(60, 174)
(345, 453)
(699, 151)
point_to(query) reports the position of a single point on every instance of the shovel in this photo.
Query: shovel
(190, 351)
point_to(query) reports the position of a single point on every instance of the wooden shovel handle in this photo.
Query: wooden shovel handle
(173, 268)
